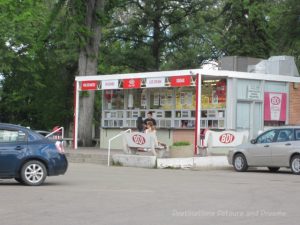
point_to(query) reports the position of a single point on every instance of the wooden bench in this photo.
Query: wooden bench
(135, 141)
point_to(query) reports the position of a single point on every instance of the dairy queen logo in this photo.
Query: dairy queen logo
(226, 138)
(131, 83)
(275, 100)
(138, 139)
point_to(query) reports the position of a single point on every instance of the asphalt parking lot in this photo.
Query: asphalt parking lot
(93, 194)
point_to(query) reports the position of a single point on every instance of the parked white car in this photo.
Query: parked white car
(275, 148)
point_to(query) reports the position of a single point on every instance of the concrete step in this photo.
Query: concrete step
(88, 155)
(87, 158)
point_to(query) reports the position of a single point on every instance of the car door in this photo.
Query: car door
(282, 147)
(260, 153)
(13, 143)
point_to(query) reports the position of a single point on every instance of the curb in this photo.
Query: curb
(194, 162)
(207, 162)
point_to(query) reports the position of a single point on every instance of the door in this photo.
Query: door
(260, 153)
(13, 143)
(282, 147)
(249, 117)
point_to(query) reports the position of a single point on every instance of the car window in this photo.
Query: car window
(297, 134)
(285, 135)
(267, 137)
(12, 136)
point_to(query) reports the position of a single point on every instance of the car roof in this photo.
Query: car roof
(11, 125)
(284, 127)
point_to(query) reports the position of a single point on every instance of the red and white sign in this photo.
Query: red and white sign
(180, 81)
(155, 82)
(110, 84)
(275, 106)
(138, 139)
(132, 83)
(226, 138)
(89, 85)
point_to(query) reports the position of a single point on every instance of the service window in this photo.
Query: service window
(12, 136)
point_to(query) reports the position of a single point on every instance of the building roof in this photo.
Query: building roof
(206, 73)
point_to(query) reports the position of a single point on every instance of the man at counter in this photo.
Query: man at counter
(149, 118)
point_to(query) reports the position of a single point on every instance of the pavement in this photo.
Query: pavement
(96, 194)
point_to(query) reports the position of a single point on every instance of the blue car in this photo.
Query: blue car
(29, 157)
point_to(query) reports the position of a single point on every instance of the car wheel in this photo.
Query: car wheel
(33, 173)
(295, 164)
(240, 163)
(273, 169)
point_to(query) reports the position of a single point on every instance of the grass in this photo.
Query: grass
(181, 143)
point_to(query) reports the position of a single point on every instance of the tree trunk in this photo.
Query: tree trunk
(88, 63)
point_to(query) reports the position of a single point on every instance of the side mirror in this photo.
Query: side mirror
(253, 141)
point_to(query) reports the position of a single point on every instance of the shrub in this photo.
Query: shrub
(181, 143)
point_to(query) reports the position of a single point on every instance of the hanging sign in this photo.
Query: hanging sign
(132, 83)
(180, 81)
(89, 85)
(253, 93)
(275, 106)
(155, 82)
(110, 84)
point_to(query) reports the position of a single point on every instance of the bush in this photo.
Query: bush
(181, 143)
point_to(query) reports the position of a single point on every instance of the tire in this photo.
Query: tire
(295, 164)
(273, 169)
(33, 173)
(240, 163)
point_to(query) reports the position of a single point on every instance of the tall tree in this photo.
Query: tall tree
(286, 28)
(37, 90)
(88, 17)
(245, 28)
(146, 31)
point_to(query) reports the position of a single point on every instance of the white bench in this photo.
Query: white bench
(136, 141)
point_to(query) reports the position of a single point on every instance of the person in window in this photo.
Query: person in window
(149, 118)
(140, 124)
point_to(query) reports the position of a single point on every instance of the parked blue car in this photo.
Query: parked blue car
(29, 157)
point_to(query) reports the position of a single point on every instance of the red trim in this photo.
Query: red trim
(196, 114)
(89, 85)
(132, 83)
(180, 81)
(74, 119)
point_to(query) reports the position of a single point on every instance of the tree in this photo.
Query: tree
(150, 33)
(286, 28)
(37, 89)
(244, 28)
(87, 17)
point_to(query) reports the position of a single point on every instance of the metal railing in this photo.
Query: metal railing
(109, 143)
(56, 131)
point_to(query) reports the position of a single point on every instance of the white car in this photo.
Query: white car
(275, 148)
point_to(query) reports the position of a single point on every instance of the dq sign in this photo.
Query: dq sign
(138, 139)
(226, 138)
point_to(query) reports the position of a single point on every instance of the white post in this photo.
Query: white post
(199, 92)
(76, 116)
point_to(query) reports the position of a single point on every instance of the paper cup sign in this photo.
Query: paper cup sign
(275, 106)
(226, 138)
(138, 139)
